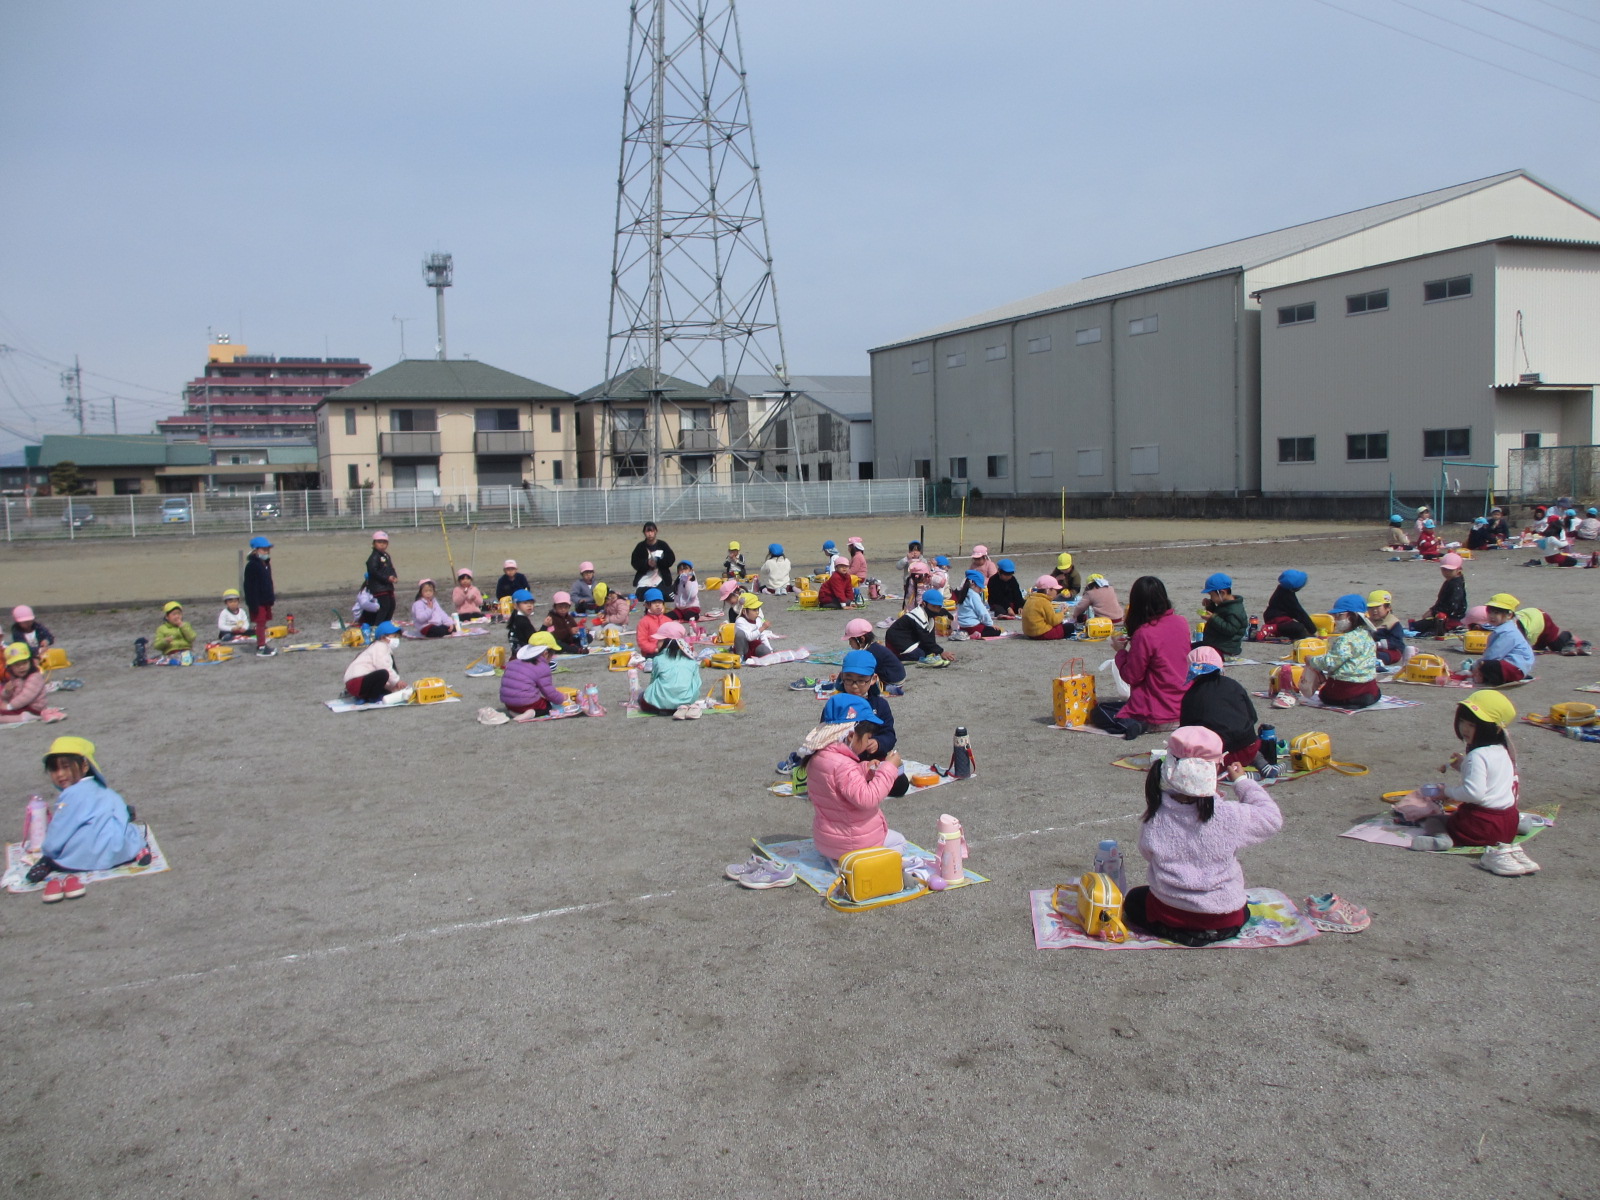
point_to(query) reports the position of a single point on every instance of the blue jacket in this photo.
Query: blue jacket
(91, 829)
(525, 681)
(890, 668)
(674, 681)
(1507, 641)
(973, 609)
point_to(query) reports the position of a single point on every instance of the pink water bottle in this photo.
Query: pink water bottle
(35, 820)
(634, 690)
(952, 849)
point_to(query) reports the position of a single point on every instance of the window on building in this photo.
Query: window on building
(696, 418)
(1144, 460)
(1532, 441)
(352, 476)
(805, 473)
(489, 420)
(1144, 325)
(577, 422)
(824, 431)
(422, 476)
(1447, 289)
(414, 420)
(1091, 462)
(924, 468)
(632, 466)
(1366, 447)
(864, 470)
(1041, 464)
(126, 487)
(958, 468)
(1297, 449)
(824, 472)
(1297, 314)
(631, 419)
(999, 466)
(1366, 302)
(991, 353)
(780, 435)
(1038, 345)
(555, 420)
(558, 470)
(958, 359)
(1446, 443)
(1087, 337)
(783, 470)
(350, 422)
(919, 366)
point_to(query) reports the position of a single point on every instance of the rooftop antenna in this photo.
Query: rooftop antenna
(692, 288)
(439, 271)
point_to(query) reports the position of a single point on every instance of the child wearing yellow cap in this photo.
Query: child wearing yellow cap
(1508, 658)
(733, 565)
(91, 828)
(175, 635)
(751, 633)
(1486, 798)
(22, 694)
(1067, 575)
(232, 621)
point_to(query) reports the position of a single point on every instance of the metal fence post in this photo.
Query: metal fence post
(361, 505)
(558, 508)
(8, 520)
(194, 515)
(133, 519)
(305, 502)
(414, 521)
(605, 497)
(827, 492)
(869, 497)
(250, 513)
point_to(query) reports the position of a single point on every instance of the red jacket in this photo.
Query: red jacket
(645, 633)
(836, 588)
(1155, 666)
(845, 795)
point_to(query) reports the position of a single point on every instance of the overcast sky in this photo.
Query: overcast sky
(278, 171)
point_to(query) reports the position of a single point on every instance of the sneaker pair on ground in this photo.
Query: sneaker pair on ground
(265, 652)
(1507, 859)
(760, 873)
(807, 684)
(934, 660)
(690, 712)
(1284, 700)
(69, 887)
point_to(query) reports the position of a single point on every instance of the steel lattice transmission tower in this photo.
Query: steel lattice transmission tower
(693, 299)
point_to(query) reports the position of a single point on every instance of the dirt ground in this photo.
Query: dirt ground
(402, 954)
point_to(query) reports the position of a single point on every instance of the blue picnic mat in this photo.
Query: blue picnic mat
(813, 869)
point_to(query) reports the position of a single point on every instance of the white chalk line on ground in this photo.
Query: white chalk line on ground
(395, 939)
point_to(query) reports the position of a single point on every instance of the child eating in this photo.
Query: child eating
(733, 564)
(973, 617)
(465, 597)
(655, 616)
(26, 628)
(566, 630)
(1220, 704)
(1486, 798)
(1227, 623)
(519, 628)
(232, 621)
(774, 575)
(174, 636)
(1284, 616)
(1451, 604)
(428, 615)
(1041, 620)
(371, 674)
(1098, 599)
(1346, 676)
(846, 788)
(529, 682)
(911, 635)
(888, 668)
(91, 828)
(686, 596)
(674, 688)
(838, 590)
(582, 590)
(751, 631)
(1005, 593)
(22, 694)
(1387, 632)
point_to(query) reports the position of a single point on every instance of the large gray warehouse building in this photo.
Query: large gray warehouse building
(1152, 378)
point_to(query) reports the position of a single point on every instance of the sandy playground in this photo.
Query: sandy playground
(402, 954)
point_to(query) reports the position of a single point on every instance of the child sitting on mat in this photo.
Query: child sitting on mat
(1451, 604)
(1508, 657)
(1226, 620)
(655, 616)
(973, 617)
(686, 595)
(529, 682)
(858, 557)
(751, 633)
(91, 827)
(674, 689)
(174, 636)
(1190, 838)
(510, 582)
(582, 590)
(1005, 593)
(774, 575)
(845, 787)
(1346, 676)
(1067, 575)
(1387, 633)
(1041, 619)
(371, 675)
(1397, 534)
(733, 563)
(858, 677)
(1098, 599)
(615, 609)
(520, 626)
(26, 628)
(22, 694)
(1285, 616)
(939, 572)
(911, 634)
(838, 590)
(565, 628)
(465, 597)
(859, 635)
(1219, 703)
(1487, 794)
(1429, 545)
(428, 616)
(233, 621)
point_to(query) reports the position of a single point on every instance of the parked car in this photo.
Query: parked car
(175, 508)
(265, 505)
(78, 514)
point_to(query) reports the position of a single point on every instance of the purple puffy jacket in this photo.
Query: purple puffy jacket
(525, 681)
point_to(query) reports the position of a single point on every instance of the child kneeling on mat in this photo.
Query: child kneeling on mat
(858, 677)
(529, 682)
(371, 675)
(91, 828)
(1486, 797)
(1190, 838)
(1219, 703)
(1508, 657)
(1347, 675)
(845, 787)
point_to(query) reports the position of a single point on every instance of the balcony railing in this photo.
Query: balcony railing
(503, 441)
(698, 440)
(630, 441)
(409, 445)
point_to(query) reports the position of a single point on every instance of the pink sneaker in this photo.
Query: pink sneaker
(54, 890)
(1333, 915)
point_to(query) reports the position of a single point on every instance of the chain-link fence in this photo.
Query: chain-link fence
(55, 517)
(1546, 472)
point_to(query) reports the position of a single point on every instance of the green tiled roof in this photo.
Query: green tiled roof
(120, 450)
(634, 385)
(454, 379)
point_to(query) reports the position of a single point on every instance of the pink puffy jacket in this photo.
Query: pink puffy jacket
(845, 796)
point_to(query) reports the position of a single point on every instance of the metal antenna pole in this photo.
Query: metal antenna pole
(439, 271)
(72, 381)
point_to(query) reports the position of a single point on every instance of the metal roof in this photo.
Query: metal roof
(1243, 254)
(634, 385)
(848, 395)
(120, 450)
(1516, 240)
(467, 379)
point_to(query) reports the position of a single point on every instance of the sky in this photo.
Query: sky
(278, 172)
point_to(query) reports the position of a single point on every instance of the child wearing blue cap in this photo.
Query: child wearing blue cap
(911, 635)
(1285, 616)
(773, 576)
(258, 594)
(371, 675)
(858, 677)
(521, 627)
(1346, 676)
(1005, 593)
(1226, 622)
(655, 616)
(973, 616)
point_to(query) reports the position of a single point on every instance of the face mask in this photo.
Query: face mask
(264, 556)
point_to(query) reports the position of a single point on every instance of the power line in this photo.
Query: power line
(1493, 38)
(1540, 28)
(1451, 49)
(1570, 13)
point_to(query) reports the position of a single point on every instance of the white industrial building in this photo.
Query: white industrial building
(812, 427)
(1150, 379)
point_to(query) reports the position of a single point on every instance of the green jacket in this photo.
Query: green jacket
(173, 639)
(1226, 627)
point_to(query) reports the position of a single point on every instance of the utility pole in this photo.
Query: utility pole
(439, 272)
(73, 381)
(114, 426)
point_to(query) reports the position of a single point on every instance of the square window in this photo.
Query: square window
(999, 466)
(992, 353)
(958, 359)
(1041, 464)
(824, 472)
(1144, 460)
(494, 419)
(1086, 337)
(958, 468)
(1091, 462)
(1446, 443)
(1038, 345)
(1366, 302)
(1447, 289)
(1297, 449)
(1532, 441)
(1366, 447)
(1143, 325)
(1297, 314)
(919, 366)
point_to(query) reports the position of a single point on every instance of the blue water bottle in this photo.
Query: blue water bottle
(1108, 861)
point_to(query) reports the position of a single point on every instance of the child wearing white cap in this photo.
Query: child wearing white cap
(510, 582)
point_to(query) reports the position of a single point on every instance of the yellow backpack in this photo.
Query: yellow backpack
(725, 660)
(875, 874)
(1097, 629)
(1314, 751)
(1096, 906)
(1425, 668)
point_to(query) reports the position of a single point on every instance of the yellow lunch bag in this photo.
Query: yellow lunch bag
(1097, 629)
(1425, 668)
(1308, 648)
(1073, 694)
(1095, 903)
(1573, 712)
(619, 660)
(724, 660)
(497, 657)
(732, 690)
(430, 691)
(875, 874)
(53, 659)
(1314, 751)
(1475, 641)
(352, 638)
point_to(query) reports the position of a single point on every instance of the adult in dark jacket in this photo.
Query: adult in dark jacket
(258, 594)
(652, 562)
(1221, 705)
(1284, 615)
(381, 578)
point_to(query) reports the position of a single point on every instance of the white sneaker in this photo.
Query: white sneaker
(1521, 855)
(1283, 700)
(693, 712)
(1500, 861)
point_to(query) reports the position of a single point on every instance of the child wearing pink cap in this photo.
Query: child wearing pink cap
(566, 628)
(1450, 608)
(918, 580)
(25, 628)
(1190, 838)
(730, 593)
(858, 557)
(982, 562)
(582, 590)
(859, 635)
(1041, 619)
(1218, 702)
(465, 597)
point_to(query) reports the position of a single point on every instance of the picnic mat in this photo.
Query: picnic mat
(1589, 687)
(1141, 762)
(344, 704)
(1082, 729)
(311, 646)
(1386, 702)
(52, 716)
(13, 880)
(1274, 920)
(1578, 733)
(909, 767)
(1381, 829)
(813, 870)
(415, 636)
(711, 710)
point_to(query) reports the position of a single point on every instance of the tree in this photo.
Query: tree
(65, 480)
